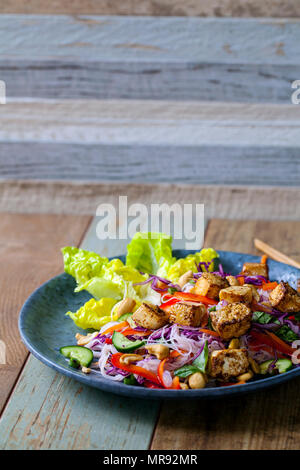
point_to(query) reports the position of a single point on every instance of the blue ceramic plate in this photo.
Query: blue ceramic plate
(44, 329)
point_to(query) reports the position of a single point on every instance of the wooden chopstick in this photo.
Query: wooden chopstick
(275, 254)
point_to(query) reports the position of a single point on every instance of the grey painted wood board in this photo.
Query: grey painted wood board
(229, 59)
(152, 163)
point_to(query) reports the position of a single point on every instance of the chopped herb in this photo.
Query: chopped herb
(202, 359)
(130, 380)
(264, 318)
(192, 281)
(185, 371)
(286, 334)
(172, 290)
(199, 364)
(297, 317)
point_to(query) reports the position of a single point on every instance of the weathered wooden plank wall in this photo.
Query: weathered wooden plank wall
(142, 58)
(145, 141)
(144, 99)
(247, 8)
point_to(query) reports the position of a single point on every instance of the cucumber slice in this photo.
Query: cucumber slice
(283, 365)
(264, 366)
(123, 344)
(77, 354)
(124, 317)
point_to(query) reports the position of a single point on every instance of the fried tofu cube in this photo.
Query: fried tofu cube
(228, 363)
(232, 281)
(150, 317)
(285, 298)
(255, 269)
(210, 285)
(186, 314)
(234, 294)
(231, 321)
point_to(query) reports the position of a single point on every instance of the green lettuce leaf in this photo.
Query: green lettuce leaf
(94, 313)
(190, 262)
(81, 264)
(151, 253)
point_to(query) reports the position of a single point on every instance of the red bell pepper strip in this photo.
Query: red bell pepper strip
(280, 344)
(272, 340)
(194, 298)
(167, 305)
(160, 372)
(133, 369)
(176, 383)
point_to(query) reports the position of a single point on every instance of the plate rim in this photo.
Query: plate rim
(120, 388)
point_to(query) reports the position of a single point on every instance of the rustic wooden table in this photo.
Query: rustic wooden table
(45, 410)
(202, 105)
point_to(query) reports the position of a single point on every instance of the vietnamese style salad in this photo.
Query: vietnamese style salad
(166, 323)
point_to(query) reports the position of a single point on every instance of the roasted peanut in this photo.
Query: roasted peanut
(197, 380)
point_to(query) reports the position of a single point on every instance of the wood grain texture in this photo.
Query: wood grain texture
(205, 164)
(29, 247)
(233, 202)
(148, 122)
(239, 8)
(265, 420)
(209, 142)
(149, 58)
(50, 411)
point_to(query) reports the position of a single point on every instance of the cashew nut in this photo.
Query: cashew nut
(86, 370)
(159, 350)
(126, 306)
(83, 340)
(197, 380)
(127, 359)
(244, 377)
(185, 278)
(254, 366)
(232, 280)
(234, 344)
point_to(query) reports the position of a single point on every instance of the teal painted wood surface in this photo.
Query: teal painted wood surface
(50, 411)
